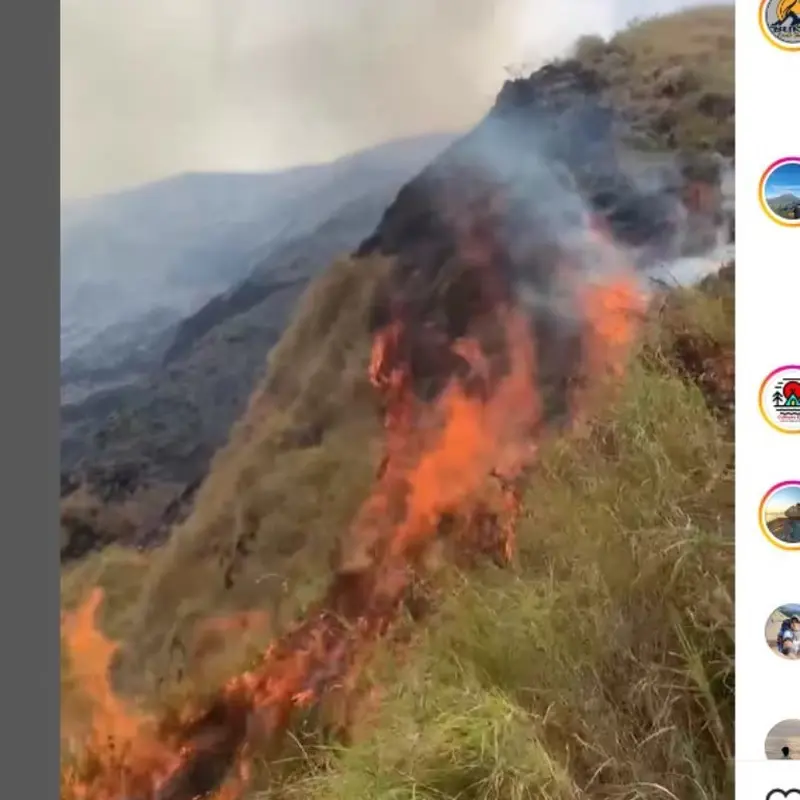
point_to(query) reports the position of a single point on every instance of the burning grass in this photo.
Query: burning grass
(602, 665)
(594, 660)
(471, 540)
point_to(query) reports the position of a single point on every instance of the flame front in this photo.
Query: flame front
(458, 456)
(123, 755)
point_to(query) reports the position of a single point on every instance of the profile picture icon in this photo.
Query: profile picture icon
(783, 741)
(779, 515)
(779, 399)
(783, 631)
(779, 191)
(780, 23)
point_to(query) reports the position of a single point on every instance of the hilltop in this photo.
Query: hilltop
(147, 445)
(539, 605)
(785, 205)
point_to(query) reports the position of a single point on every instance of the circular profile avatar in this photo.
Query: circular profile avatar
(780, 23)
(779, 515)
(783, 741)
(779, 399)
(783, 631)
(779, 191)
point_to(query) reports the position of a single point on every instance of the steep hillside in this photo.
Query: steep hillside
(573, 657)
(166, 427)
(172, 393)
(481, 505)
(172, 245)
(673, 77)
(208, 365)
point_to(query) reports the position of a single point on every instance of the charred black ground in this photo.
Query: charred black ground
(512, 196)
(144, 459)
(600, 660)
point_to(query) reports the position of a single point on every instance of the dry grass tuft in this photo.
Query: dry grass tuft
(673, 76)
(601, 665)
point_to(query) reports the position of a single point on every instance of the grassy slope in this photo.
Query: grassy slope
(600, 667)
(603, 666)
(674, 76)
(673, 79)
(265, 521)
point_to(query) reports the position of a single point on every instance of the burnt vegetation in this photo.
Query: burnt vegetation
(586, 650)
(166, 430)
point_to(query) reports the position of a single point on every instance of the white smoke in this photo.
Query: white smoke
(155, 87)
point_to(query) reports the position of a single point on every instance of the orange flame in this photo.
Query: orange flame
(113, 734)
(476, 437)
(444, 458)
(612, 309)
(613, 314)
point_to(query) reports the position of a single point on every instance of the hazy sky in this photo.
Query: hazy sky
(784, 180)
(154, 87)
(782, 499)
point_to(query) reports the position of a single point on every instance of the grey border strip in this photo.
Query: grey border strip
(29, 353)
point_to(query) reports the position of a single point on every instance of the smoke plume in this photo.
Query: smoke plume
(151, 88)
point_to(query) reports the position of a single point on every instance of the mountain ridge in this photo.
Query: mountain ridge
(137, 438)
(184, 239)
(401, 555)
(786, 205)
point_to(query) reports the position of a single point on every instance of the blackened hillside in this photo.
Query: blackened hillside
(521, 188)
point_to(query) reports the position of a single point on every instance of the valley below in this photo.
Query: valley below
(422, 486)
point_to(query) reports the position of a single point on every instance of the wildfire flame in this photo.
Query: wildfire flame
(458, 455)
(120, 742)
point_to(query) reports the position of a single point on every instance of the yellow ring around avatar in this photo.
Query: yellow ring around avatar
(765, 31)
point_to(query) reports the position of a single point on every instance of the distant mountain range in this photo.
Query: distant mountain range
(167, 247)
(172, 294)
(785, 205)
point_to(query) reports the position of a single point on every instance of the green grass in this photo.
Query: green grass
(268, 517)
(601, 665)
